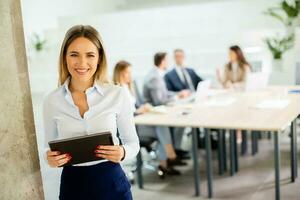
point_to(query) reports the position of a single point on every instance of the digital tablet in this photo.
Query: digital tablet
(81, 148)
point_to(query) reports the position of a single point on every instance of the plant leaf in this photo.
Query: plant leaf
(290, 11)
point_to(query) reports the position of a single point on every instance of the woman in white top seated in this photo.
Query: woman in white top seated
(236, 70)
(166, 152)
(86, 103)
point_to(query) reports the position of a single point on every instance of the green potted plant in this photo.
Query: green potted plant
(38, 43)
(279, 45)
(287, 12)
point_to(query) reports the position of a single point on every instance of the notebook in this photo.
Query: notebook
(273, 104)
(294, 91)
(81, 148)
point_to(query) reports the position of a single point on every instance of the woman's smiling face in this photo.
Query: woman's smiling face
(82, 59)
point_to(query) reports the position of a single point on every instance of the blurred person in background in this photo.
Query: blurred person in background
(235, 71)
(168, 159)
(181, 77)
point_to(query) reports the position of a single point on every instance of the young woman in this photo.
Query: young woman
(122, 76)
(235, 74)
(83, 104)
(236, 70)
(166, 153)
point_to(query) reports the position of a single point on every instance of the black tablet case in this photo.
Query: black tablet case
(81, 148)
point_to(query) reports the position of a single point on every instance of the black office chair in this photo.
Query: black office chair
(147, 143)
(150, 163)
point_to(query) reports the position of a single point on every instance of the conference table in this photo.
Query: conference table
(272, 109)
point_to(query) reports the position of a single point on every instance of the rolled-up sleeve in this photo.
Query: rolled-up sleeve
(126, 127)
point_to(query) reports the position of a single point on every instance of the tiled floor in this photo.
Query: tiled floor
(254, 181)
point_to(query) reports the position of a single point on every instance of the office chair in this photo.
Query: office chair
(256, 66)
(147, 157)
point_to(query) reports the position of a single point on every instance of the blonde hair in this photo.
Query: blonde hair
(120, 67)
(91, 34)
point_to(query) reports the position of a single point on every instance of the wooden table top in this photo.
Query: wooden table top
(241, 114)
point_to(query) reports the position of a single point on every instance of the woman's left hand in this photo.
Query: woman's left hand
(114, 153)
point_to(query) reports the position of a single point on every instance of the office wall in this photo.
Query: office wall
(20, 176)
(205, 29)
(42, 15)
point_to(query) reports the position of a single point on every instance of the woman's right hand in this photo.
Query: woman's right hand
(55, 159)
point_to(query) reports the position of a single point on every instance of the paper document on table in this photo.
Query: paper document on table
(221, 101)
(158, 109)
(271, 103)
(215, 92)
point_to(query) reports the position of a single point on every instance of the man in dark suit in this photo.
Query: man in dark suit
(178, 79)
(181, 77)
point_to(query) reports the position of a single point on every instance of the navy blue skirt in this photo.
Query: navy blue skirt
(103, 181)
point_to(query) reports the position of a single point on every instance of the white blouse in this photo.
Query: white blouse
(110, 109)
(131, 96)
